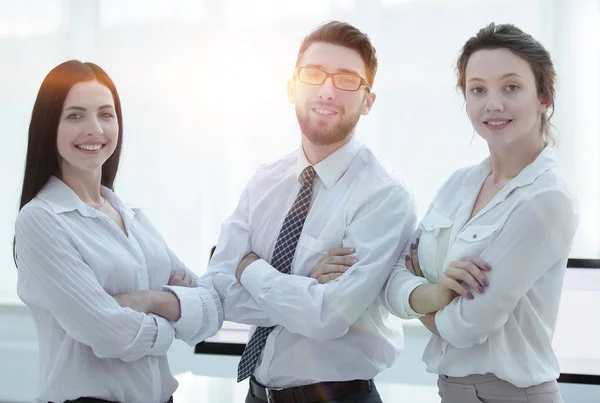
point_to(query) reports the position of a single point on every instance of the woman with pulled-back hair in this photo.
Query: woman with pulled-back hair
(106, 294)
(485, 268)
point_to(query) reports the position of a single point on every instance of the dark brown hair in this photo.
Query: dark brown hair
(41, 161)
(42, 155)
(344, 34)
(508, 36)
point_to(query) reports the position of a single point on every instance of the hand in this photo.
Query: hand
(246, 261)
(181, 278)
(460, 275)
(335, 263)
(140, 301)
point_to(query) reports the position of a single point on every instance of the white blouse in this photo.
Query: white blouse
(71, 258)
(525, 233)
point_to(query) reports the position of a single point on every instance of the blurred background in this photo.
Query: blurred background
(203, 89)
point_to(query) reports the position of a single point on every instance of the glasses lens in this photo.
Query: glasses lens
(347, 82)
(311, 76)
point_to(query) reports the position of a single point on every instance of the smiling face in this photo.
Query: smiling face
(326, 114)
(502, 98)
(88, 130)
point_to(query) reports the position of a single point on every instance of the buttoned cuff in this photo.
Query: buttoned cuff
(164, 336)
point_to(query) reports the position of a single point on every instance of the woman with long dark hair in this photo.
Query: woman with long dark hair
(106, 293)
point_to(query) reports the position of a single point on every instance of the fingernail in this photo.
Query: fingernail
(487, 266)
(413, 246)
(407, 258)
(480, 289)
(352, 250)
(354, 260)
(470, 296)
(486, 282)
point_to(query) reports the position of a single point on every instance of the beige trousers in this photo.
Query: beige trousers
(489, 389)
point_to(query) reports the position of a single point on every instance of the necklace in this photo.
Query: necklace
(99, 206)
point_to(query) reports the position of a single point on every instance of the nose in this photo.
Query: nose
(327, 90)
(94, 128)
(494, 103)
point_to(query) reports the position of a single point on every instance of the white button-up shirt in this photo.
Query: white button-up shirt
(337, 331)
(71, 258)
(525, 233)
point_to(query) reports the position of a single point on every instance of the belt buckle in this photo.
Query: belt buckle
(269, 396)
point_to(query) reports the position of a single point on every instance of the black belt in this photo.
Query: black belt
(316, 392)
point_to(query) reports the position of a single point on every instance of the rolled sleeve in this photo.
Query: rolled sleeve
(164, 336)
(201, 313)
(399, 303)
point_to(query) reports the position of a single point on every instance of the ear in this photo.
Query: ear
(291, 91)
(544, 104)
(368, 103)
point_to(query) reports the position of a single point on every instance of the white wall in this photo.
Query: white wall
(203, 90)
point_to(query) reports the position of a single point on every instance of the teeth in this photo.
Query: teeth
(94, 147)
(498, 123)
(324, 112)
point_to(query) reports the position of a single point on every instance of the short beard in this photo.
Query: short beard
(322, 137)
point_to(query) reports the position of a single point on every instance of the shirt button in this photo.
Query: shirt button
(474, 236)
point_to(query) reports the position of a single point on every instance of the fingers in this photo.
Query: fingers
(328, 277)
(334, 263)
(451, 284)
(469, 273)
(340, 251)
(414, 258)
(480, 263)
(325, 269)
(409, 265)
(188, 280)
(181, 278)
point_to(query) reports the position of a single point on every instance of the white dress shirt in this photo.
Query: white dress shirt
(71, 258)
(525, 233)
(337, 331)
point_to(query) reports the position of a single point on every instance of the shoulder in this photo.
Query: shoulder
(276, 170)
(378, 184)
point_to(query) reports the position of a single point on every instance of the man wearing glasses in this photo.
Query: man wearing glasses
(315, 235)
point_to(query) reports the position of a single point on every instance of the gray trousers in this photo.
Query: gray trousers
(490, 389)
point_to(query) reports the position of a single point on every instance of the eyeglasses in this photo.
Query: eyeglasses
(342, 81)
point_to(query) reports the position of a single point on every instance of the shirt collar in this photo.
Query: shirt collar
(543, 162)
(334, 165)
(62, 199)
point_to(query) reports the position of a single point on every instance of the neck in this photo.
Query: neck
(85, 184)
(509, 160)
(316, 153)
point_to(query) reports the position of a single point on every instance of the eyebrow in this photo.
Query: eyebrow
(80, 108)
(503, 77)
(338, 70)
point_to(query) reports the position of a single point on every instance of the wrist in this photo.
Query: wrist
(152, 300)
(441, 297)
